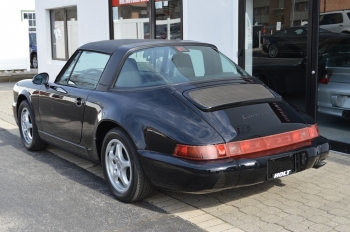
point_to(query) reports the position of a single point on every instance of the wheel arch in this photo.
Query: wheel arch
(101, 132)
(22, 97)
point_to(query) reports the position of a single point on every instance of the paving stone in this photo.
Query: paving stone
(220, 228)
(210, 223)
(342, 228)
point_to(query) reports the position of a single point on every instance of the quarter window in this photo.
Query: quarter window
(64, 32)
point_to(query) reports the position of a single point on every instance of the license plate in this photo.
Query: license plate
(280, 167)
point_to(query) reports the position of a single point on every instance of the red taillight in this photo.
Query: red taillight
(250, 148)
(264, 30)
(325, 79)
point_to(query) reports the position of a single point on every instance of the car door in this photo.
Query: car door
(297, 39)
(62, 103)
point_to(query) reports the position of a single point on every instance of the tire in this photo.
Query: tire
(28, 129)
(34, 61)
(273, 51)
(122, 169)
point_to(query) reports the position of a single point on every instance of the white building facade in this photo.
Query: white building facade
(18, 18)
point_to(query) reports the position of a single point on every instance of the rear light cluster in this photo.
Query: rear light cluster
(250, 148)
(325, 79)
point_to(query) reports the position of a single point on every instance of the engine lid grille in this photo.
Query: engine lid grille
(216, 96)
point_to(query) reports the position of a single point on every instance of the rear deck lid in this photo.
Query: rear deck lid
(243, 111)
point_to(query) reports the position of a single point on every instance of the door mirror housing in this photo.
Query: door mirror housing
(41, 79)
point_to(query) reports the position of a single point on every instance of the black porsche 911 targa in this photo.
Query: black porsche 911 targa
(175, 115)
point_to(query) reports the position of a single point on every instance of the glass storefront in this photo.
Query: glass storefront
(138, 19)
(276, 52)
(333, 101)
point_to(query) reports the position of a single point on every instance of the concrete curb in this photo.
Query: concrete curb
(14, 77)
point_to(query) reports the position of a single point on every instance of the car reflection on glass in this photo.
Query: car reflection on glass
(289, 75)
(334, 84)
(292, 40)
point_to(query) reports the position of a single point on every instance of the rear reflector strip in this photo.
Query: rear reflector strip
(258, 147)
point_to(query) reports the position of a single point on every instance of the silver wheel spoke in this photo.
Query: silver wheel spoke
(124, 179)
(119, 152)
(26, 125)
(118, 165)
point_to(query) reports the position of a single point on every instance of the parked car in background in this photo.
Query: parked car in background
(33, 50)
(336, 21)
(334, 85)
(176, 115)
(292, 40)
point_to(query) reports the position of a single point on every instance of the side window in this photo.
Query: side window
(282, 33)
(297, 32)
(88, 69)
(66, 75)
(340, 18)
(328, 19)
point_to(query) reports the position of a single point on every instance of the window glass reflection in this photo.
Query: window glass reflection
(130, 19)
(168, 19)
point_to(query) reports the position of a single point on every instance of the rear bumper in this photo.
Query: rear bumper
(171, 173)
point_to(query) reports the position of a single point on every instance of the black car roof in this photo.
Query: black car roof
(110, 46)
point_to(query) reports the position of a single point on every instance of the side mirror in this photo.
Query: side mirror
(41, 79)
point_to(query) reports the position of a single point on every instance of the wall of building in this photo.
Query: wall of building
(14, 40)
(332, 5)
(210, 22)
(93, 25)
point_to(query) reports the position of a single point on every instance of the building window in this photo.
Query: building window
(30, 16)
(64, 32)
(261, 10)
(132, 19)
(301, 6)
(168, 19)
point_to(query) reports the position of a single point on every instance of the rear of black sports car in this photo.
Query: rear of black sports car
(264, 138)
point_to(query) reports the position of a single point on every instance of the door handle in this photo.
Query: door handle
(79, 102)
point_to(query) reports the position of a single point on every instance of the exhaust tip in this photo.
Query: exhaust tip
(346, 114)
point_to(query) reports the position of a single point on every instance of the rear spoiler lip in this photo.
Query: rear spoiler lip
(236, 104)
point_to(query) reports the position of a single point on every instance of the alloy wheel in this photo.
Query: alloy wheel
(118, 165)
(27, 126)
(273, 51)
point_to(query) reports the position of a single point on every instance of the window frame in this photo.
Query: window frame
(66, 52)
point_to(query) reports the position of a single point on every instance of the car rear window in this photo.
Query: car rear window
(176, 64)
